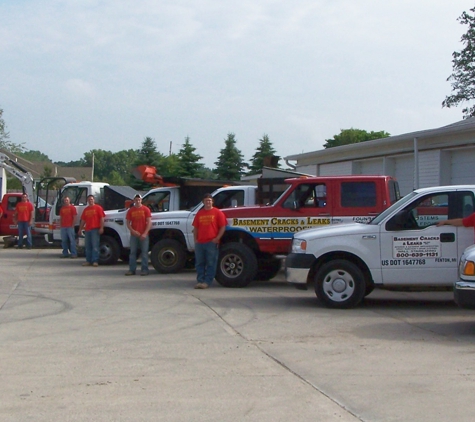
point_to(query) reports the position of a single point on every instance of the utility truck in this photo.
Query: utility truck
(402, 248)
(257, 237)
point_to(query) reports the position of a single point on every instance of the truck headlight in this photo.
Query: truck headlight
(467, 268)
(299, 246)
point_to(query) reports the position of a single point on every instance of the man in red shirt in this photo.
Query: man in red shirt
(209, 226)
(23, 217)
(139, 221)
(67, 215)
(92, 219)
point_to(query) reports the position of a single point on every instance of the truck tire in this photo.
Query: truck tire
(237, 265)
(268, 268)
(168, 256)
(340, 284)
(108, 251)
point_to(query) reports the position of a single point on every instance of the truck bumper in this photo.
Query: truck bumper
(464, 294)
(297, 267)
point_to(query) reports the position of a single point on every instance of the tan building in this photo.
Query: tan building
(433, 157)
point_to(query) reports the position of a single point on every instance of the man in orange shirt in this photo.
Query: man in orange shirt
(209, 226)
(23, 217)
(67, 215)
(139, 221)
(92, 219)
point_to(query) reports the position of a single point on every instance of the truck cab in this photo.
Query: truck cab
(7, 226)
(77, 193)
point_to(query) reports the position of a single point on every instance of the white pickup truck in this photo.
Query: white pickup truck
(171, 236)
(401, 248)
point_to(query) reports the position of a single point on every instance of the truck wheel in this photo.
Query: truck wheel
(340, 284)
(237, 265)
(168, 256)
(108, 251)
(268, 268)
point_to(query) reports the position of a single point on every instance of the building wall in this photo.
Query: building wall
(335, 169)
(439, 166)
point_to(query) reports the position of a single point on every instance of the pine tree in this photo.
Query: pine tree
(146, 155)
(265, 149)
(230, 162)
(188, 160)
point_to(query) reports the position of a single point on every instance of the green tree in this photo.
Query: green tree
(230, 162)
(146, 155)
(463, 64)
(76, 163)
(33, 155)
(4, 136)
(265, 149)
(188, 160)
(116, 179)
(47, 171)
(353, 136)
(114, 168)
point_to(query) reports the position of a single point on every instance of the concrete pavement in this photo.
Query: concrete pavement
(81, 343)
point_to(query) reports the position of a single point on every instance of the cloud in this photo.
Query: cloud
(299, 71)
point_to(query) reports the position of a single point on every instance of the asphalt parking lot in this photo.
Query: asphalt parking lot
(82, 343)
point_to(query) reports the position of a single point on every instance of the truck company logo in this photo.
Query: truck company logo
(279, 225)
(416, 246)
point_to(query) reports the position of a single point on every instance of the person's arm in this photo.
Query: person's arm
(131, 229)
(220, 234)
(101, 228)
(81, 226)
(452, 222)
(147, 227)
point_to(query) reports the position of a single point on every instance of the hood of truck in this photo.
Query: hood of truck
(337, 230)
(116, 213)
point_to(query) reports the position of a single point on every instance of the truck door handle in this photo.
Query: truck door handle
(447, 237)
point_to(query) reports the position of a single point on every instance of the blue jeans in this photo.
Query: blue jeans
(206, 261)
(135, 243)
(92, 245)
(68, 241)
(24, 228)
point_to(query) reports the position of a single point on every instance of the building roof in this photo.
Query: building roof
(39, 168)
(407, 139)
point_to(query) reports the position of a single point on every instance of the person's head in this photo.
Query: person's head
(137, 200)
(66, 200)
(24, 197)
(90, 199)
(208, 201)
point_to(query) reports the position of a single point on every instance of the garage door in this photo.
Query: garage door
(374, 166)
(404, 173)
(462, 167)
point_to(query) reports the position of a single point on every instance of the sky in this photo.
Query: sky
(77, 75)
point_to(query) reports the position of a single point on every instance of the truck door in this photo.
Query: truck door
(7, 227)
(415, 250)
(311, 204)
(357, 201)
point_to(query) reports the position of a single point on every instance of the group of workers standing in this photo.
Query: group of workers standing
(209, 226)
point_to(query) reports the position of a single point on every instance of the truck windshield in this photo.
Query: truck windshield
(157, 201)
(393, 207)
